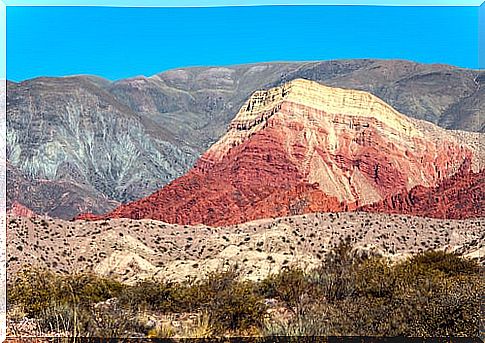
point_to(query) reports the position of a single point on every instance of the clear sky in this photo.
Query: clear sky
(481, 35)
(123, 42)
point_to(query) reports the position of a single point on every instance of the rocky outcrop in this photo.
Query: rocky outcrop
(19, 210)
(305, 147)
(460, 196)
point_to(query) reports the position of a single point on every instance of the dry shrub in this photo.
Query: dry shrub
(430, 294)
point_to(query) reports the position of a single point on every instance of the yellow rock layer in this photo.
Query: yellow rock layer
(331, 101)
(321, 125)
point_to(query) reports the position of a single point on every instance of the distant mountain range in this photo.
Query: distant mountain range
(83, 144)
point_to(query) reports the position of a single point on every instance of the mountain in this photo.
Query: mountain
(72, 147)
(304, 147)
(54, 198)
(123, 140)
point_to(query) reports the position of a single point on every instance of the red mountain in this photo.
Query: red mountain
(304, 147)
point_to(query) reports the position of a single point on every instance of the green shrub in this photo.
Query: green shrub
(149, 294)
(451, 264)
(33, 289)
(87, 288)
(430, 294)
(233, 305)
(292, 286)
(375, 278)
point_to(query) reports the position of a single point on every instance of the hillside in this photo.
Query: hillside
(134, 249)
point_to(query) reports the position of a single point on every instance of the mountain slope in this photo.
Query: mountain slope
(126, 139)
(304, 147)
(461, 196)
(61, 198)
(71, 131)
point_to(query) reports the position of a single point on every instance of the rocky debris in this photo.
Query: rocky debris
(305, 147)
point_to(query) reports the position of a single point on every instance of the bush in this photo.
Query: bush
(451, 264)
(62, 303)
(292, 286)
(87, 288)
(336, 277)
(375, 278)
(233, 305)
(149, 294)
(430, 294)
(33, 290)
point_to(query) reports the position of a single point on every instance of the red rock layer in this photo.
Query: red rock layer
(255, 180)
(19, 210)
(459, 197)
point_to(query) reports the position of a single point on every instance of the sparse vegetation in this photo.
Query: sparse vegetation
(431, 294)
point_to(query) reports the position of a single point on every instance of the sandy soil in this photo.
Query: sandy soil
(135, 249)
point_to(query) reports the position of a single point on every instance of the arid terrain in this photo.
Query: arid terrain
(76, 144)
(135, 249)
(305, 147)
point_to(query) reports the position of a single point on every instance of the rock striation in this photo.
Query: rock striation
(305, 147)
(460, 196)
(19, 210)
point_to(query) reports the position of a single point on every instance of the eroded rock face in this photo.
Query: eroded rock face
(460, 196)
(72, 142)
(19, 210)
(54, 198)
(304, 147)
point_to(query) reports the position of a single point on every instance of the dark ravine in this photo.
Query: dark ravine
(113, 142)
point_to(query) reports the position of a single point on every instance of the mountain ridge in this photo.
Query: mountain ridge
(173, 117)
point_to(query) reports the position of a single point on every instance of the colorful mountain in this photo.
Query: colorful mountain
(86, 144)
(304, 147)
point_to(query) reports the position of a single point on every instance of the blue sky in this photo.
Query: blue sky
(481, 35)
(123, 42)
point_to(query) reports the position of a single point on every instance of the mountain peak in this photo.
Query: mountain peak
(311, 104)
